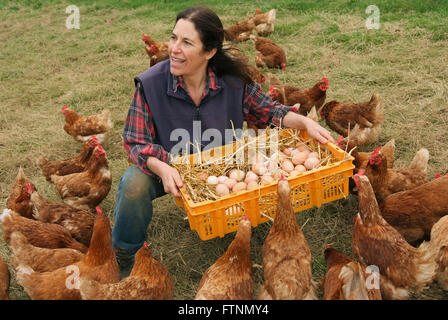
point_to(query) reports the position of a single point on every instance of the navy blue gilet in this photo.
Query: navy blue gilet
(178, 121)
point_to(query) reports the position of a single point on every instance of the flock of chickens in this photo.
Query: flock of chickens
(62, 250)
(398, 207)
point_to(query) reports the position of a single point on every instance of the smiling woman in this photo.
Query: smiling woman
(201, 83)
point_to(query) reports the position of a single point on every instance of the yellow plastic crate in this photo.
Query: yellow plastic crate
(310, 189)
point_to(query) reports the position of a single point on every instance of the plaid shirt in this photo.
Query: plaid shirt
(139, 133)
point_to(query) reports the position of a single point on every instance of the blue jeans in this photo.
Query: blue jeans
(133, 211)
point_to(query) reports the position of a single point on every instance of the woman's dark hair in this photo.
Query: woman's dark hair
(227, 60)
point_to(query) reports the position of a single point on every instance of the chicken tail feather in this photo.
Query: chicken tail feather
(420, 161)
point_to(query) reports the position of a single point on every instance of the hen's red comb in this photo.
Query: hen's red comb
(29, 188)
(326, 81)
(64, 108)
(339, 140)
(144, 37)
(282, 177)
(94, 138)
(437, 175)
(98, 209)
(328, 246)
(245, 217)
(145, 244)
(356, 178)
(376, 151)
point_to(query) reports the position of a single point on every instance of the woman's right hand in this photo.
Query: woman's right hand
(170, 176)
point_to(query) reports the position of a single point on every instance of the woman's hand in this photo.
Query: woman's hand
(315, 130)
(170, 176)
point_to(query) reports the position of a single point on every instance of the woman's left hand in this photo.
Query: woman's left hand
(316, 131)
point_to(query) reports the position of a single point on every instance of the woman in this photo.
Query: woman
(201, 84)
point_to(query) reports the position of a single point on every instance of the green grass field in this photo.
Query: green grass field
(44, 66)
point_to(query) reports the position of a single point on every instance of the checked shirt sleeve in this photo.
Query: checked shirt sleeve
(139, 134)
(260, 109)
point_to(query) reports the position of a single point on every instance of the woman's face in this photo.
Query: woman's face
(186, 50)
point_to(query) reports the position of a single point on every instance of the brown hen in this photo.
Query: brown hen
(290, 95)
(346, 279)
(39, 234)
(343, 117)
(414, 212)
(231, 276)
(40, 259)
(78, 221)
(286, 255)
(264, 22)
(99, 264)
(240, 31)
(439, 247)
(362, 158)
(70, 165)
(268, 53)
(85, 190)
(403, 269)
(157, 51)
(386, 181)
(19, 197)
(82, 128)
(148, 280)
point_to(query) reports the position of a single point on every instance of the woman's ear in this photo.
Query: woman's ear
(210, 54)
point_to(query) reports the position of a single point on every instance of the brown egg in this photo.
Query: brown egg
(299, 158)
(287, 166)
(236, 174)
(251, 176)
(222, 189)
(239, 186)
(294, 152)
(259, 168)
(300, 168)
(311, 163)
(287, 151)
(313, 155)
(230, 183)
(267, 178)
(252, 185)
